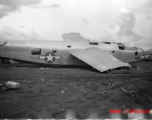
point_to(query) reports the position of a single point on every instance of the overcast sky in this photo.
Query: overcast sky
(126, 21)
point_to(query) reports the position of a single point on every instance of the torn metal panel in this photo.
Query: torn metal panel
(99, 59)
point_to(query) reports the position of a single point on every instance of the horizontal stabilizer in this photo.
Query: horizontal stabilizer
(99, 59)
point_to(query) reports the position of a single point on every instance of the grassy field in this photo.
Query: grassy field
(74, 92)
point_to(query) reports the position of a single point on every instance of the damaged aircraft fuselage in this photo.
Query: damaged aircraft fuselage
(74, 50)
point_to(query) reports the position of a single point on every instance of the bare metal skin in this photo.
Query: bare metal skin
(68, 52)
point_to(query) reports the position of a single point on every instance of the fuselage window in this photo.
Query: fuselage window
(113, 51)
(36, 51)
(107, 42)
(69, 46)
(93, 43)
(136, 53)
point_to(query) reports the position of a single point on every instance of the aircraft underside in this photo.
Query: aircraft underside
(19, 63)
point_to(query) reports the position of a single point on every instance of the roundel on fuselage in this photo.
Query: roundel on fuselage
(49, 57)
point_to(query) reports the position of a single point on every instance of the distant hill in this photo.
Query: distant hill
(150, 50)
(149, 53)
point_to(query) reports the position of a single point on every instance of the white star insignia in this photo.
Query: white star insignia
(50, 57)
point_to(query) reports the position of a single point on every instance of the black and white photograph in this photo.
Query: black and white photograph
(76, 59)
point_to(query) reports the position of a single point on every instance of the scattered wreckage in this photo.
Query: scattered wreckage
(10, 85)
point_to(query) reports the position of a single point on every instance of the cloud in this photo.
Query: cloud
(148, 17)
(142, 6)
(148, 4)
(52, 6)
(9, 6)
(55, 6)
(85, 21)
(147, 39)
(121, 29)
(126, 25)
(126, 21)
(85, 24)
(9, 33)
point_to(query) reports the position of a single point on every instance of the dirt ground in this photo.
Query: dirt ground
(75, 92)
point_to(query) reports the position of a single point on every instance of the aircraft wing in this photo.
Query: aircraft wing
(99, 59)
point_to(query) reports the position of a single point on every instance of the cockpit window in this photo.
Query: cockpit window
(36, 51)
(93, 43)
(121, 47)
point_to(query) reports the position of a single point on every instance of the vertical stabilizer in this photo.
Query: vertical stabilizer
(73, 37)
